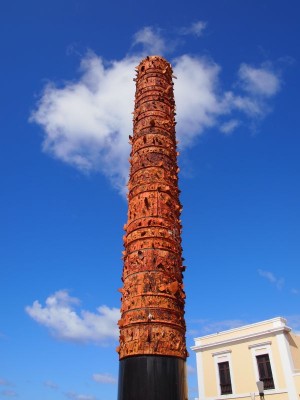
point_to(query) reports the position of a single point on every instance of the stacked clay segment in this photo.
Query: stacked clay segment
(152, 312)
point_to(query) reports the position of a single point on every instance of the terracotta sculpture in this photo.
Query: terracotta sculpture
(152, 312)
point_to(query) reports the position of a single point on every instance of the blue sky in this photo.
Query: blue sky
(66, 103)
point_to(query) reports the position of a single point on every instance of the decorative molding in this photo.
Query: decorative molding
(251, 346)
(221, 352)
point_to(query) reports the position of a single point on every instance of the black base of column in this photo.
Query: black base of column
(152, 378)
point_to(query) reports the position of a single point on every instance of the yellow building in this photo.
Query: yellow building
(230, 363)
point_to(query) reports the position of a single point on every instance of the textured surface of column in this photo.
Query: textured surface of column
(152, 313)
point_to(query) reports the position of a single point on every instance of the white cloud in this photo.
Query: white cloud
(198, 103)
(295, 291)
(104, 378)
(259, 81)
(151, 40)
(64, 322)
(278, 282)
(75, 396)
(195, 28)
(86, 122)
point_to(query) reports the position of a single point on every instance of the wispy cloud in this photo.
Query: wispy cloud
(151, 40)
(65, 322)
(229, 126)
(104, 378)
(192, 332)
(76, 396)
(219, 326)
(8, 393)
(261, 81)
(206, 327)
(4, 382)
(51, 385)
(196, 28)
(190, 370)
(278, 282)
(259, 84)
(86, 122)
(294, 322)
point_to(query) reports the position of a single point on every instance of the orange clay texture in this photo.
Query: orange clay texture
(152, 312)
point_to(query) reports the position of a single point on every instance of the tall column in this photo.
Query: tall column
(152, 346)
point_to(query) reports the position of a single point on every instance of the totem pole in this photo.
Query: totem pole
(152, 346)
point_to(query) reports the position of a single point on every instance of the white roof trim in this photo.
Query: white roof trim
(278, 330)
(267, 321)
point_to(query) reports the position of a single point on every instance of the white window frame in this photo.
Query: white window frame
(260, 349)
(219, 357)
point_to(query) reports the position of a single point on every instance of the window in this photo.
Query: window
(223, 366)
(264, 367)
(265, 371)
(225, 381)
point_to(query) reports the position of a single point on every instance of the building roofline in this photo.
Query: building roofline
(277, 329)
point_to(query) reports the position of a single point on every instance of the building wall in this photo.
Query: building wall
(294, 342)
(297, 383)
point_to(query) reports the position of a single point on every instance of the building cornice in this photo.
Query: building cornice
(256, 335)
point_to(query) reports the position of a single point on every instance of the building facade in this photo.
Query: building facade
(230, 363)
